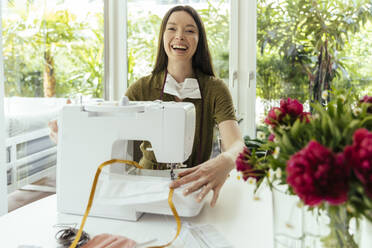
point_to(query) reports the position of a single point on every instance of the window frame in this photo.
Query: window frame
(3, 178)
(115, 49)
(242, 78)
(247, 65)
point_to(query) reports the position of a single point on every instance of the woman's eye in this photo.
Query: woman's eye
(171, 29)
(190, 31)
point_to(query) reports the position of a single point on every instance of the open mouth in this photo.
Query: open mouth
(179, 47)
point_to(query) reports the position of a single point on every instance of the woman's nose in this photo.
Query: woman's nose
(179, 35)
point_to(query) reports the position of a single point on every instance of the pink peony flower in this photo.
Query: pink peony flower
(292, 107)
(274, 117)
(367, 99)
(248, 170)
(359, 157)
(316, 174)
(271, 137)
(305, 116)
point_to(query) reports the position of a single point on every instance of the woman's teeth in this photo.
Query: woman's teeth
(179, 47)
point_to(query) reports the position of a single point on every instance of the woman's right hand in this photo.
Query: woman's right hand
(53, 126)
(110, 241)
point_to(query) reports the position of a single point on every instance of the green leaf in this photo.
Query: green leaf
(367, 122)
(287, 145)
(295, 129)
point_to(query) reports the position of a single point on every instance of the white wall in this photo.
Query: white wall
(3, 184)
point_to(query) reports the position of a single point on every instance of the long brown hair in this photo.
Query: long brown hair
(202, 58)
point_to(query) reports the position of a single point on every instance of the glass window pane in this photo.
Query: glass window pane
(144, 19)
(356, 57)
(304, 48)
(52, 50)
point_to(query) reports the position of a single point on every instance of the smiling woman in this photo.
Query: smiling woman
(144, 19)
(180, 37)
(183, 61)
(183, 43)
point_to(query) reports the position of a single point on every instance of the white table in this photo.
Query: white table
(243, 221)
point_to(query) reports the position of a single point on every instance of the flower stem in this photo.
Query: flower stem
(339, 235)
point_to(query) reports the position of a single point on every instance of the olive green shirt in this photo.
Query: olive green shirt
(218, 107)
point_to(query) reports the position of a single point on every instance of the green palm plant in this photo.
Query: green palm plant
(22, 65)
(56, 30)
(216, 21)
(28, 36)
(310, 34)
(83, 68)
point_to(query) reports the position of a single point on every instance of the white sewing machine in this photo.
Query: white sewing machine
(92, 133)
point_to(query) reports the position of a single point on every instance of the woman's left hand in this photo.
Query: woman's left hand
(210, 175)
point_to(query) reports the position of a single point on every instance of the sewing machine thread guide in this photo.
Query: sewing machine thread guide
(174, 166)
(172, 174)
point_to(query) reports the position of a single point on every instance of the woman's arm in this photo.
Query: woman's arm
(212, 174)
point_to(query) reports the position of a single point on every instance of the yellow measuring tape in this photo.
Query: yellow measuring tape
(93, 190)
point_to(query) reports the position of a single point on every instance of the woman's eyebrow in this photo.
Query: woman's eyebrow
(191, 25)
(188, 25)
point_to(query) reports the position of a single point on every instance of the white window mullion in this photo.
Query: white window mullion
(246, 12)
(115, 79)
(3, 177)
(234, 46)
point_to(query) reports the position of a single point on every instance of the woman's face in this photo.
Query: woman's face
(180, 37)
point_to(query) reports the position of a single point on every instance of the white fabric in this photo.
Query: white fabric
(130, 190)
(201, 236)
(187, 89)
(124, 190)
